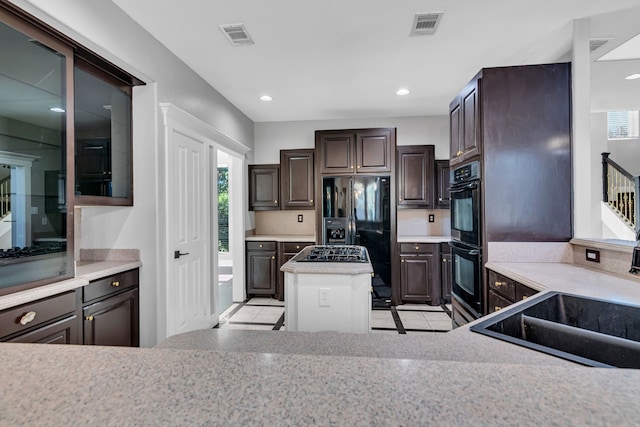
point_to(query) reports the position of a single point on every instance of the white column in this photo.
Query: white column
(586, 172)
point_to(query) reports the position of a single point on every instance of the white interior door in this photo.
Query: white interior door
(189, 293)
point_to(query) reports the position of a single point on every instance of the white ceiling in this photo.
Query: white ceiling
(346, 58)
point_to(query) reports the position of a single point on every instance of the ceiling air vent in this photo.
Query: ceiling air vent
(237, 34)
(425, 23)
(597, 43)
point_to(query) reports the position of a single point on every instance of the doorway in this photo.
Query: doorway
(225, 260)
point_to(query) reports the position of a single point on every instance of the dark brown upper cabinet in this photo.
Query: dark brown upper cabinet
(522, 115)
(464, 111)
(442, 199)
(297, 187)
(103, 152)
(415, 176)
(264, 187)
(355, 151)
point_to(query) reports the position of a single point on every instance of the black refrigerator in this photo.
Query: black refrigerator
(356, 210)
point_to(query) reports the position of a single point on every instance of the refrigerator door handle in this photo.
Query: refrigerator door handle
(350, 230)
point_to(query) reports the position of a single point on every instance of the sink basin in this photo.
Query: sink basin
(585, 330)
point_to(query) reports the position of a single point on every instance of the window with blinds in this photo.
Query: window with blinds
(623, 124)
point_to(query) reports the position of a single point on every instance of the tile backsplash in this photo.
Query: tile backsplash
(415, 222)
(285, 222)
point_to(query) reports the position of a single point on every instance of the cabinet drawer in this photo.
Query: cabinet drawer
(502, 285)
(415, 248)
(110, 285)
(261, 246)
(295, 247)
(36, 313)
(497, 302)
(524, 292)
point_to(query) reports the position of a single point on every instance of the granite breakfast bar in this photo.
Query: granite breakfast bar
(234, 377)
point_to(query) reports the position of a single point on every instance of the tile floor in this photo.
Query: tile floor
(268, 314)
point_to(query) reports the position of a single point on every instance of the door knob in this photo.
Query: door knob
(178, 254)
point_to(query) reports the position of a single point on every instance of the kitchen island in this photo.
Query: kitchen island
(328, 288)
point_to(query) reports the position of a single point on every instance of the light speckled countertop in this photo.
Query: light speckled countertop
(72, 385)
(231, 377)
(86, 271)
(423, 239)
(280, 238)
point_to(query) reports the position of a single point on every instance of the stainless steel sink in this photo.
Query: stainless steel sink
(585, 330)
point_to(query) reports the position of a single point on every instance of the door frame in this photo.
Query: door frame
(176, 120)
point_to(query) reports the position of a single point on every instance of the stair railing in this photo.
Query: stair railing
(5, 197)
(620, 190)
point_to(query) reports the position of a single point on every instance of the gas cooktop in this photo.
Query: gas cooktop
(32, 250)
(335, 253)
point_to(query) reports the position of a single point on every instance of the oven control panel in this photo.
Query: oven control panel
(468, 172)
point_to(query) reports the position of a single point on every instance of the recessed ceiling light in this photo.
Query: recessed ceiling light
(633, 77)
(266, 98)
(403, 92)
(56, 109)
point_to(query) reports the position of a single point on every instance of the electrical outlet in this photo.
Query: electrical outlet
(432, 218)
(323, 297)
(592, 255)
(44, 220)
(299, 217)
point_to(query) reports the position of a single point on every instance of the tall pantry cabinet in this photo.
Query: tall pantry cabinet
(517, 122)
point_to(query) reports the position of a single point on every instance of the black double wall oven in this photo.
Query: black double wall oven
(466, 237)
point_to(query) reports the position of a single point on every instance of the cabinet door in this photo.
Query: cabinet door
(446, 276)
(113, 321)
(286, 251)
(261, 272)
(464, 122)
(337, 152)
(415, 176)
(264, 187)
(298, 185)
(470, 121)
(455, 124)
(497, 302)
(373, 150)
(443, 200)
(416, 280)
(63, 331)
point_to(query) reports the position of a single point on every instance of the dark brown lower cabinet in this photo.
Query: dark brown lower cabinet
(110, 310)
(504, 291)
(50, 320)
(420, 272)
(262, 271)
(113, 321)
(63, 331)
(110, 315)
(286, 251)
